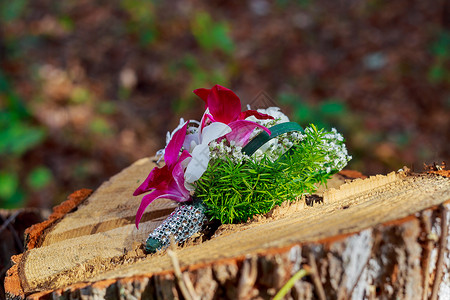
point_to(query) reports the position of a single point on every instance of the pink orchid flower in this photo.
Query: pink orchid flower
(222, 105)
(168, 181)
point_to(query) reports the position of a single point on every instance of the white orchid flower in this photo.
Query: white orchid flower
(200, 152)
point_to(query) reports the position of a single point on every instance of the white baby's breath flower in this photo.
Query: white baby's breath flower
(275, 113)
(227, 150)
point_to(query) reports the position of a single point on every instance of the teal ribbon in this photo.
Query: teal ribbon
(275, 131)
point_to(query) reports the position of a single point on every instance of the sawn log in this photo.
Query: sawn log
(381, 237)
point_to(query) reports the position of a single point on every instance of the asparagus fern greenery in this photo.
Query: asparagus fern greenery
(236, 165)
(235, 192)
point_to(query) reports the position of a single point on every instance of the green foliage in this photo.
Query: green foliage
(327, 114)
(437, 73)
(17, 137)
(233, 192)
(8, 184)
(282, 3)
(11, 196)
(332, 108)
(18, 134)
(212, 35)
(39, 178)
(100, 126)
(440, 49)
(80, 95)
(107, 108)
(11, 10)
(142, 20)
(290, 284)
(201, 75)
(302, 3)
(13, 104)
(66, 23)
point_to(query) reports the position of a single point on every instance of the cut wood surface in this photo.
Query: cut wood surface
(12, 226)
(385, 235)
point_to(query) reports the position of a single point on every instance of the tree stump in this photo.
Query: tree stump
(12, 226)
(380, 237)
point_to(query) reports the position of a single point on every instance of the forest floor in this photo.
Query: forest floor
(88, 87)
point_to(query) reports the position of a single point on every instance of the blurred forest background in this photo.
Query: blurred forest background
(88, 87)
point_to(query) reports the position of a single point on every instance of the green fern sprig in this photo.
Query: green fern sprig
(234, 193)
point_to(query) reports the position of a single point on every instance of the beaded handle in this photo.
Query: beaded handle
(182, 223)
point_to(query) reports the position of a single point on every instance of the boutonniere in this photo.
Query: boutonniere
(233, 164)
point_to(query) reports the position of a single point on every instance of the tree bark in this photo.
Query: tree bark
(382, 237)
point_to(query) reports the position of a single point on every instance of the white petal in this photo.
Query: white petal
(251, 118)
(190, 141)
(189, 186)
(192, 146)
(276, 113)
(198, 164)
(213, 131)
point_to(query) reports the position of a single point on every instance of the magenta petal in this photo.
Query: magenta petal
(171, 194)
(205, 121)
(158, 178)
(146, 200)
(173, 148)
(245, 114)
(223, 104)
(185, 154)
(203, 94)
(241, 131)
(145, 185)
(178, 178)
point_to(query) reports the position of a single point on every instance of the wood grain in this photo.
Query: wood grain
(95, 243)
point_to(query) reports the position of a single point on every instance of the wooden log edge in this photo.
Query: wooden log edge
(32, 239)
(33, 233)
(227, 268)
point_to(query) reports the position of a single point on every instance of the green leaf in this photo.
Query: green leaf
(39, 178)
(212, 35)
(107, 108)
(80, 95)
(275, 131)
(8, 184)
(147, 36)
(15, 201)
(14, 104)
(141, 20)
(12, 10)
(303, 112)
(100, 126)
(67, 23)
(332, 108)
(441, 47)
(437, 73)
(19, 138)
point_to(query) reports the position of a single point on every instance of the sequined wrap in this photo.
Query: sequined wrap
(182, 223)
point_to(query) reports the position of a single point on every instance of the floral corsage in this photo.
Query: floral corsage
(235, 164)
